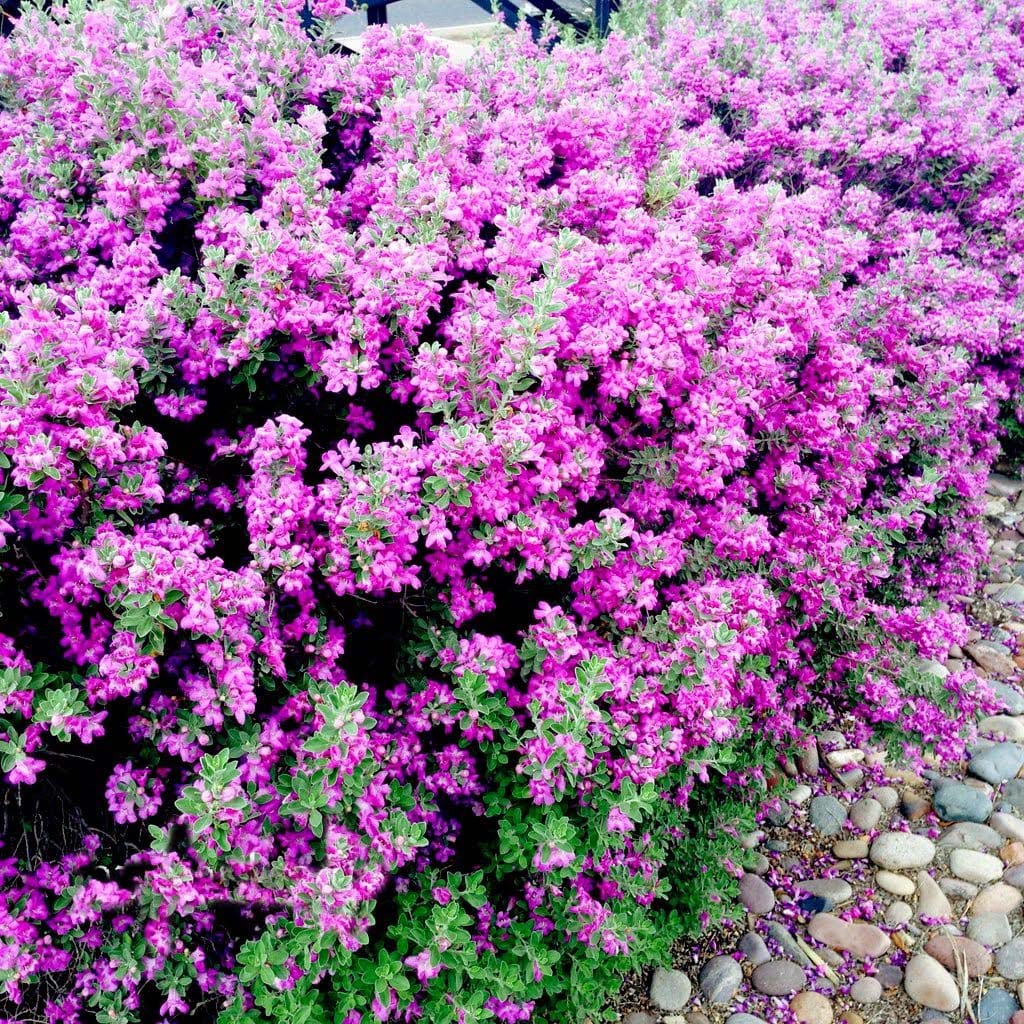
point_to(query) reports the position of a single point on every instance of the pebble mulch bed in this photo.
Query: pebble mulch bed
(882, 894)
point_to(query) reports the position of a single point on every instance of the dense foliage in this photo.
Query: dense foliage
(432, 496)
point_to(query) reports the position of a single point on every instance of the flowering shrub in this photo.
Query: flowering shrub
(431, 496)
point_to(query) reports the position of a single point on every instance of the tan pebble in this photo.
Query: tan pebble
(898, 885)
(886, 796)
(844, 758)
(1012, 854)
(851, 849)
(851, 1017)
(907, 777)
(1001, 898)
(812, 1008)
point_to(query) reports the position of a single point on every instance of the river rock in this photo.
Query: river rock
(1013, 794)
(1000, 898)
(670, 990)
(864, 941)
(898, 851)
(998, 763)
(835, 889)
(950, 950)
(753, 947)
(969, 835)
(996, 1006)
(1007, 697)
(1010, 959)
(778, 978)
(719, 980)
(756, 895)
(976, 867)
(866, 990)
(898, 885)
(811, 1008)
(932, 902)
(929, 984)
(827, 815)
(991, 659)
(1008, 825)
(1004, 726)
(866, 813)
(850, 849)
(785, 941)
(955, 801)
(991, 929)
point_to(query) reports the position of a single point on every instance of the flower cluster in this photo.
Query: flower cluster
(433, 492)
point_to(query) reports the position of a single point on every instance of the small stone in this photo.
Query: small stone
(990, 659)
(914, 805)
(838, 759)
(670, 990)
(778, 978)
(1008, 825)
(743, 1018)
(898, 914)
(951, 950)
(808, 760)
(991, 929)
(932, 902)
(719, 979)
(969, 835)
(1010, 960)
(973, 866)
(898, 851)
(898, 885)
(750, 840)
(779, 814)
(1007, 697)
(811, 1008)
(1013, 794)
(827, 815)
(996, 1006)
(1000, 486)
(999, 898)
(696, 1017)
(886, 796)
(852, 779)
(956, 802)
(933, 668)
(998, 764)
(889, 976)
(958, 889)
(1012, 854)
(867, 990)
(929, 984)
(759, 864)
(851, 1017)
(835, 889)
(864, 941)
(1018, 1017)
(639, 1017)
(756, 895)
(753, 947)
(851, 849)
(785, 941)
(800, 795)
(1008, 593)
(1003, 726)
(866, 813)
